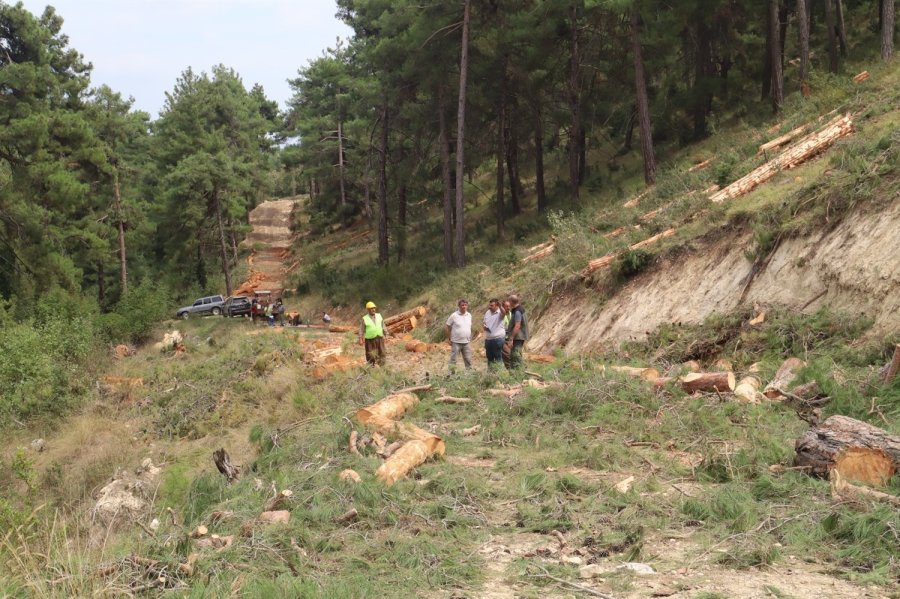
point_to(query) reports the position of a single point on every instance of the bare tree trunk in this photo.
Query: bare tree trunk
(443, 142)
(574, 103)
(783, 15)
(401, 224)
(775, 56)
(512, 167)
(887, 29)
(833, 60)
(460, 139)
(803, 32)
(501, 153)
(540, 191)
(120, 224)
(101, 285)
(629, 129)
(643, 101)
(841, 30)
(367, 186)
(383, 255)
(340, 134)
(224, 249)
(766, 87)
(234, 247)
(702, 67)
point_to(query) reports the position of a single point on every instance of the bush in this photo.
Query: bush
(137, 313)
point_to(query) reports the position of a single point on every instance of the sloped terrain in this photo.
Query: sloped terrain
(270, 238)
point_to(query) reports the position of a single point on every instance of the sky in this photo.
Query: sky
(140, 47)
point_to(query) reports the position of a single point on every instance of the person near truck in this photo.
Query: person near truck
(518, 334)
(371, 335)
(458, 330)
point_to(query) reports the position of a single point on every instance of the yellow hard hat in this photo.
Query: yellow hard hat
(370, 305)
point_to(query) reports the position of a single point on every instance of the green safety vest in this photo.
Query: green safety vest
(373, 329)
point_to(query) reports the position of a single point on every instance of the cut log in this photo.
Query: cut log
(349, 475)
(223, 463)
(416, 346)
(539, 251)
(747, 390)
(890, 369)
(276, 517)
(405, 431)
(783, 378)
(782, 140)
(451, 399)
(390, 407)
(401, 326)
(339, 329)
(700, 165)
(404, 459)
(637, 199)
(390, 449)
(861, 77)
(841, 489)
(723, 364)
(417, 312)
(691, 366)
(603, 262)
(349, 516)
(723, 382)
(822, 447)
(650, 374)
(354, 437)
(799, 153)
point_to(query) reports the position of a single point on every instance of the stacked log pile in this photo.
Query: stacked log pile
(797, 154)
(405, 321)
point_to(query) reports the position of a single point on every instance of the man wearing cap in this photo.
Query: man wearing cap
(458, 330)
(371, 335)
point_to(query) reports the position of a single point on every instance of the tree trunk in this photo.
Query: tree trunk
(383, 255)
(512, 167)
(340, 134)
(775, 56)
(887, 29)
(833, 60)
(643, 101)
(233, 239)
(460, 139)
(766, 87)
(841, 30)
(120, 224)
(222, 246)
(702, 98)
(629, 129)
(446, 182)
(540, 191)
(582, 154)
(819, 447)
(500, 155)
(401, 224)
(803, 33)
(783, 15)
(101, 285)
(574, 103)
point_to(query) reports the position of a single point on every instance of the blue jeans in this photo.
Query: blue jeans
(493, 348)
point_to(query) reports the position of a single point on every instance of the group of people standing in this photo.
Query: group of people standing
(505, 328)
(271, 311)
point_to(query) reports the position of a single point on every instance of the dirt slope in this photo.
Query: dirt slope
(853, 268)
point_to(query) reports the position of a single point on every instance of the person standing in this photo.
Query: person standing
(371, 335)
(494, 334)
(518, 335)
(458, 330)
(507, 316)
(270, 314)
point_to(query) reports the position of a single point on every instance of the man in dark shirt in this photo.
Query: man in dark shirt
(517, 333)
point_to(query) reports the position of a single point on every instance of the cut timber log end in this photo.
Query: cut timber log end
(861, 77)
(412, 454)
(841, 489)
(799, 153)
(417, 312)
(390, 407)
(723, 382)
(747, 390)
(783, 378)
(401, 326)
(822, 447)
(223, 463)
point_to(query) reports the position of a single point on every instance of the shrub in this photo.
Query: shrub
(137, 313)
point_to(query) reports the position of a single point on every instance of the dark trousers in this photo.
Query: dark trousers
(493, 349)
(375, 351)
(515, 356)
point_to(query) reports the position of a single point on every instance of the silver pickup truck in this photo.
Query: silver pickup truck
(205, 305)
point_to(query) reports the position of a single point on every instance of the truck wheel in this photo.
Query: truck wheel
(216, 311)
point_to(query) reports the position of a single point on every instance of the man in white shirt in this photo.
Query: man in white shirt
(494, 334)
(458, 330)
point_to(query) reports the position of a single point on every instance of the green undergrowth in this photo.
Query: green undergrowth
(548, 459)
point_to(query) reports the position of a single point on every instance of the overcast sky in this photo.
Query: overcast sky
(140, 47)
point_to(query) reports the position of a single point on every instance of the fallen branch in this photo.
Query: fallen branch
(782, 140)
(349, 516)
(840, 489)
(414, 389)
(786, 374)
(354, 437)
(468, 432)
(451, 399)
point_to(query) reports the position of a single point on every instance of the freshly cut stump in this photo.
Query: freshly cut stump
(861, 451)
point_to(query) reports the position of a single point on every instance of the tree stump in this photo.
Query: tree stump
(861, 451)
(223, 463)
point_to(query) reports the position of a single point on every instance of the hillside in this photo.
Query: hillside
(571, 478)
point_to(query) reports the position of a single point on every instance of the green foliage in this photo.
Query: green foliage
(630, 263)
(138, 313)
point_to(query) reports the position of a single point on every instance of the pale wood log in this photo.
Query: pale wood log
(223, 463)
(708, 381)
(783, 378)
(413, 389)
(451, 399)
(691, 366)
(404, 459)
(650, 374)
(700, 165)
(339, 329)
(747, 389)
(819, 448)
(606, 260)
(354, 437)
(539, 254)
(390, 407)
(637, 199)
(401, 326)
(782, 140)
(841, 489)
(406, 432)
(418, 312)
(861, 77)
(800, 152)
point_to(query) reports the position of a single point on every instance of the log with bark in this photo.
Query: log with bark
(417, 312)
(401, 326)
(712, 382)
(650, 374)
(603, 262)
(797, 154)
(223, 463)
(859, 450)
(782, 140)
(390, 407)
(786, 374)
(747, 390)
(890, 369)
(339, 329)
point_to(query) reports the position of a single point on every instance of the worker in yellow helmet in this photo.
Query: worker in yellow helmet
(371, 335)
